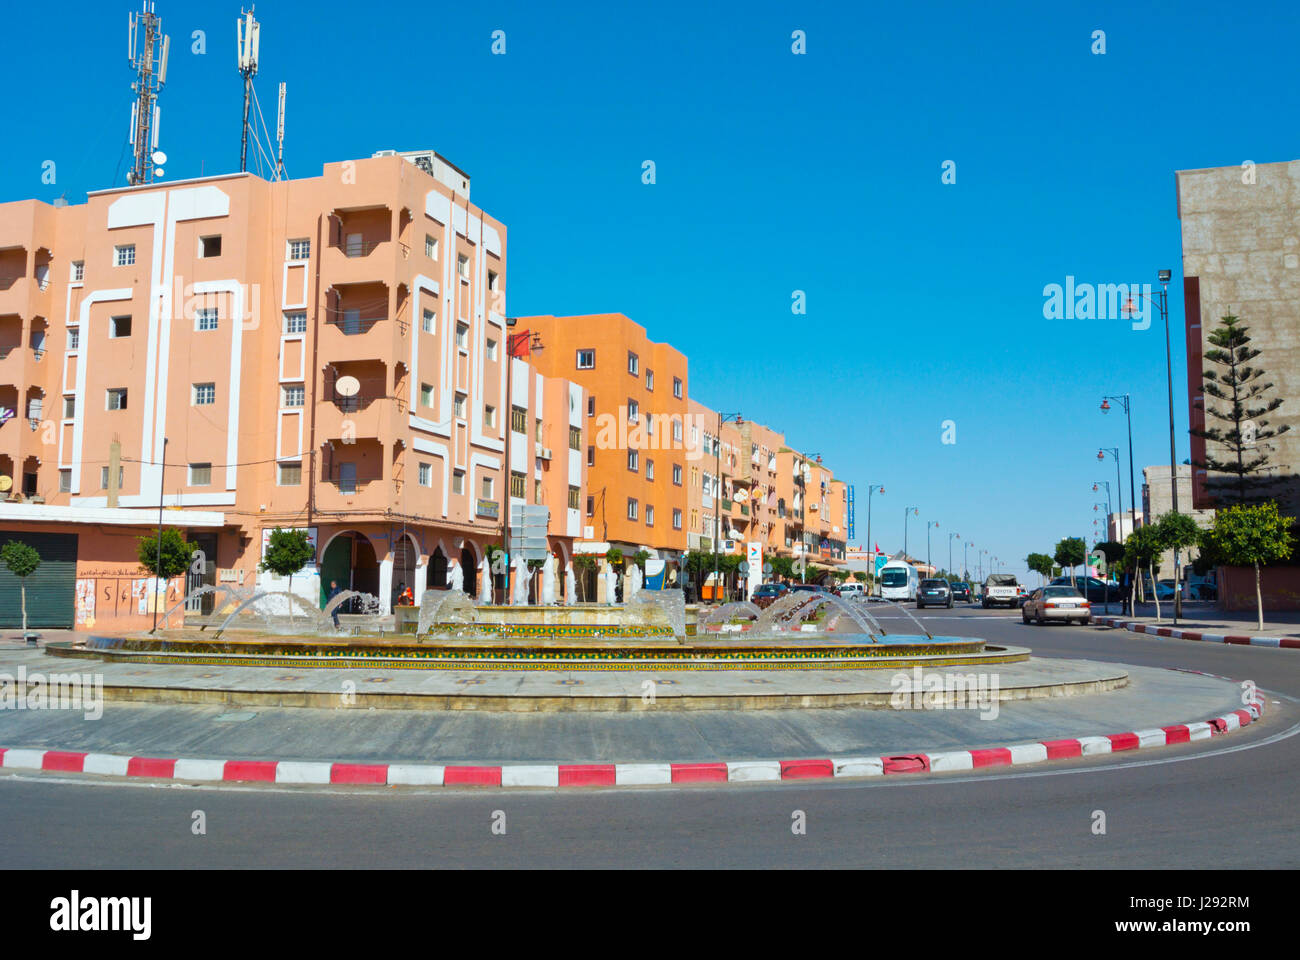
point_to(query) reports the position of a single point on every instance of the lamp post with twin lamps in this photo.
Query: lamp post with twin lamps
(950, 539)
(717, 497)
(908, 512)
(871, 544)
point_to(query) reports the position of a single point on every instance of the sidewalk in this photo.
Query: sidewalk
(1210, 624)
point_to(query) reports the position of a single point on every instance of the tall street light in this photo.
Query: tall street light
(518, 346)
(907, 512)
(950, 539)
(965, 567)
(871, 544)
(1123, 399)
(157, 572)
(928, 525)
(717, 497)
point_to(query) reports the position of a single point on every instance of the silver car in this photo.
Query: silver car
(1056, 603)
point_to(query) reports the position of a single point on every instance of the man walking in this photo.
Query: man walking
(334, 591)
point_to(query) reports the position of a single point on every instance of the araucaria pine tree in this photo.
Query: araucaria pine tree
(1235, 395)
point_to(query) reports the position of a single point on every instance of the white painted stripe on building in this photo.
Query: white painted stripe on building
(629, 774)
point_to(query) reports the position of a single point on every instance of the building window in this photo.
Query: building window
(575, 438)
(295, 323)
(586, 359)
(632, 507)
(292, 395)
(205, 394)
(124, 255)
(649, 515)
(289, 474)
(677, 387)
(649, 379)
(677, 430)
(677, 519)
(206, 319)
(65, 481)
(518, 419)
(429, 323)
(489, 486)
(299, 249)
(460, 404)
(633, 460)
(633, 410)
(116, 398)
(491, 349)
(200, 474)
(431, 247)
(677, 474)
(490, 415)
(537, 492)
(78, 271)
(209, 247)
(649, 469)
(591, 406)
(426, 474)
(458, 482)
(633, 363)
(103, 477)
(74, 338)
(69, 407)
(494, 280)
(119, 327)
(462, 266)
(516, 485)
(426, 395)
(591, 506)
(462, 335)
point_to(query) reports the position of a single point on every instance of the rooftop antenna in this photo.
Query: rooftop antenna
(248, 32)
(147, 51)
(279, 135)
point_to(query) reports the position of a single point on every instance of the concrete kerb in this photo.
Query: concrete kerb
(1151, 629)
(615, 774)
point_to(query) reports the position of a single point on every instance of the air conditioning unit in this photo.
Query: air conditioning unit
(384, 153)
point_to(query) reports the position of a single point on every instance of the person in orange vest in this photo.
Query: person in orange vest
(405, 598)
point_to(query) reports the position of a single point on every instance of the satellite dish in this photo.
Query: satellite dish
(739, 495)
(347, 386)
(5, 484)
(159, 158)
(159, 172)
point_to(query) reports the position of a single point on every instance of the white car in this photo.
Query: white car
(852, 589)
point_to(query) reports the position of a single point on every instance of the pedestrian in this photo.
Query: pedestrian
(334, 591)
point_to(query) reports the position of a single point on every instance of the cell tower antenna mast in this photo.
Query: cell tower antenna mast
(147, 50)
(248, 32)
(279, 136)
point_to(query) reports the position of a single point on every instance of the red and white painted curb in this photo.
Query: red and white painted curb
(1133, 626)
(614, 774)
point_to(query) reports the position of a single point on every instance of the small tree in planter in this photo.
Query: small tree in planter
(1248, 535)
(22, 559)
(1071, 552)
(1140, 551)
(1179, 532)
(172, 560)
(584, 565)
(287, 552)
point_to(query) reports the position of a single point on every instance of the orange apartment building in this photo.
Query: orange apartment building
(636, 448)
(325, 353)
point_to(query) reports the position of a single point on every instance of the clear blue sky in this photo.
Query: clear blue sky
(775, 173)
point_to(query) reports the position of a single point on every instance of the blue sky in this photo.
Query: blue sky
(775, 173)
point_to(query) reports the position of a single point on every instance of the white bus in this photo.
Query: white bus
(898, 581)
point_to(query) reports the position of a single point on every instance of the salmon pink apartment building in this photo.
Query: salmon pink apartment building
(326, 353)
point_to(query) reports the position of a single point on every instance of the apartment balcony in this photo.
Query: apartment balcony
(356, 401)
(352, 475)
(365, 321)
(366, 245)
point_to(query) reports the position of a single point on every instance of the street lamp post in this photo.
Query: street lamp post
(871, 544)
(928, 525)
(717, 497)
(965, 567)
(1132, 486)
(157, 571)
(950, 538)
(907, 512)
(519, 345)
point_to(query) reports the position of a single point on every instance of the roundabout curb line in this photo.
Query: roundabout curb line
(312, 773)
(1132, 626)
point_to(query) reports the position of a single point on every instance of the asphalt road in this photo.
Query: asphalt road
(1226, 803)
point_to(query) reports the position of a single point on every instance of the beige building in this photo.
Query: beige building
(1157, 500)
(1241, 255)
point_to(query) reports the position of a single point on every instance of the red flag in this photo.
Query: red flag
(877, 548)
(521, 344)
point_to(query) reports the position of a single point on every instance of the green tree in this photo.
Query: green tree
(584, 566)
(1112, 551)
(22, 559)
(1179, 532)
(287, 552)
(1235, 396)
(1248, 535)
(640, 557)
(1041, 564)
(1071, 552)
(176, 556)
(1141, 549)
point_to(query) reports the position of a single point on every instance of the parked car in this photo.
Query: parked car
(768, 593)
(851, 589)
(1204, 590)
(933, 593)
(961, 591)
(1056, 603)
(1095, 589)
(808, 588)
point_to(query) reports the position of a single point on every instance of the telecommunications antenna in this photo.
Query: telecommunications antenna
(248, 32)
(147, 50)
